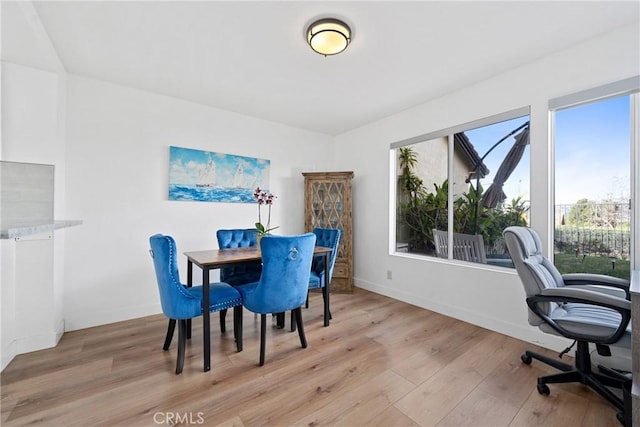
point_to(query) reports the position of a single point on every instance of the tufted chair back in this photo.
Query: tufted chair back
(178, 301)
(181, 303)
(284, 282)
(285, 275)
(239, 274)
(237, 238)
(173, 297)
(328, 238)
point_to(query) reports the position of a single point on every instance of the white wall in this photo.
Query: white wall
(482, 295)
(32, 132)
(117, 183)
(113, 167)
(33, 98)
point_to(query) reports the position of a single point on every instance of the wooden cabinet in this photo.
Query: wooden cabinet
(327, 204)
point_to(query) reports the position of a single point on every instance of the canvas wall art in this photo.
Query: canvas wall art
(207, 176)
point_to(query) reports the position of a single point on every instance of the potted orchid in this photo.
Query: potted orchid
(263, 198)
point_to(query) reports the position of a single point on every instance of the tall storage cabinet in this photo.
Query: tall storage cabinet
(327, 204)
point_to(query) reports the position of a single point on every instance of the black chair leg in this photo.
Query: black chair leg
(169, 337)
(607, 394)
(237, 326)
(293, 321)
(223, 323)
(327, 311)
(263, 333)
(298, 314)
(528, 355)
(280, 320)
(306, 305)
(182, 335)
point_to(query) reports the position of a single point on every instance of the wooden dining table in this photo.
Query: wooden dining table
(211, 259)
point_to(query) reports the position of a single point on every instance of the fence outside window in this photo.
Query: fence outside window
(600, 229)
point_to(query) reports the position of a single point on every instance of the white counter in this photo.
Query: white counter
(23, 230)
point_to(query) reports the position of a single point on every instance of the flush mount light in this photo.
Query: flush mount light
(328, 36)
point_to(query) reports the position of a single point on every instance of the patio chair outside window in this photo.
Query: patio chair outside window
(466, 247)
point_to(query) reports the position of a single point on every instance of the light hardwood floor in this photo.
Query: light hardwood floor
(381, 362)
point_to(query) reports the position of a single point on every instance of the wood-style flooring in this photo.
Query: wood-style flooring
(381, 362)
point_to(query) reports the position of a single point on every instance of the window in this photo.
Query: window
(481, 171)
(421, 194)
(593, 142)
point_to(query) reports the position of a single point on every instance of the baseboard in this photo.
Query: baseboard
(59, 331)
(79, 321)
(82, 320)
(8, 354)
(522, 332)
(31, 343)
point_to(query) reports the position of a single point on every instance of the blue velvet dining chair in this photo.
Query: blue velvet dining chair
(284, 283)
(181, 303)
(238, 274)
(328, 238)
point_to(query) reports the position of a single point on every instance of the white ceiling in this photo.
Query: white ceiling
(252, 57)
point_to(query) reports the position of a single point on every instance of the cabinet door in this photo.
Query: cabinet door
(327, 204)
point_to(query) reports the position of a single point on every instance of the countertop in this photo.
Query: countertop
(22, 230)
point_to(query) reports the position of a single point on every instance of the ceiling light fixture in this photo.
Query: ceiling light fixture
(328, 36)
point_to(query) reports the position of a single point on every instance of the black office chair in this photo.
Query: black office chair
(581, 307)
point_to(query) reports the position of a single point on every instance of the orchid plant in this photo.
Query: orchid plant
(263, 198)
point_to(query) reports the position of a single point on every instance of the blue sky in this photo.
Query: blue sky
(591, 152)
(484, 138)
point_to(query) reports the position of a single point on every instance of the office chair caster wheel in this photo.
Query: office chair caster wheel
(544, 389)
(526, 359)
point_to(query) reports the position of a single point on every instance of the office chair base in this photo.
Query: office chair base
(583, 373)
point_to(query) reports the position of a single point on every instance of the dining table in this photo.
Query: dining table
(211, 259)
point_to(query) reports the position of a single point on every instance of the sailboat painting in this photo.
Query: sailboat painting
(205, 176)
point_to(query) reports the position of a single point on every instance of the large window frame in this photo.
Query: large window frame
(449, 134)
(630, 87)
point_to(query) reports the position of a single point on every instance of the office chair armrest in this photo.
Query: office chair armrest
(573, 279)
(586, 295)
(583, 295)
(616, 292)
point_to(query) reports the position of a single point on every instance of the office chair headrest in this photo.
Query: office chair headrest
(528, 239)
